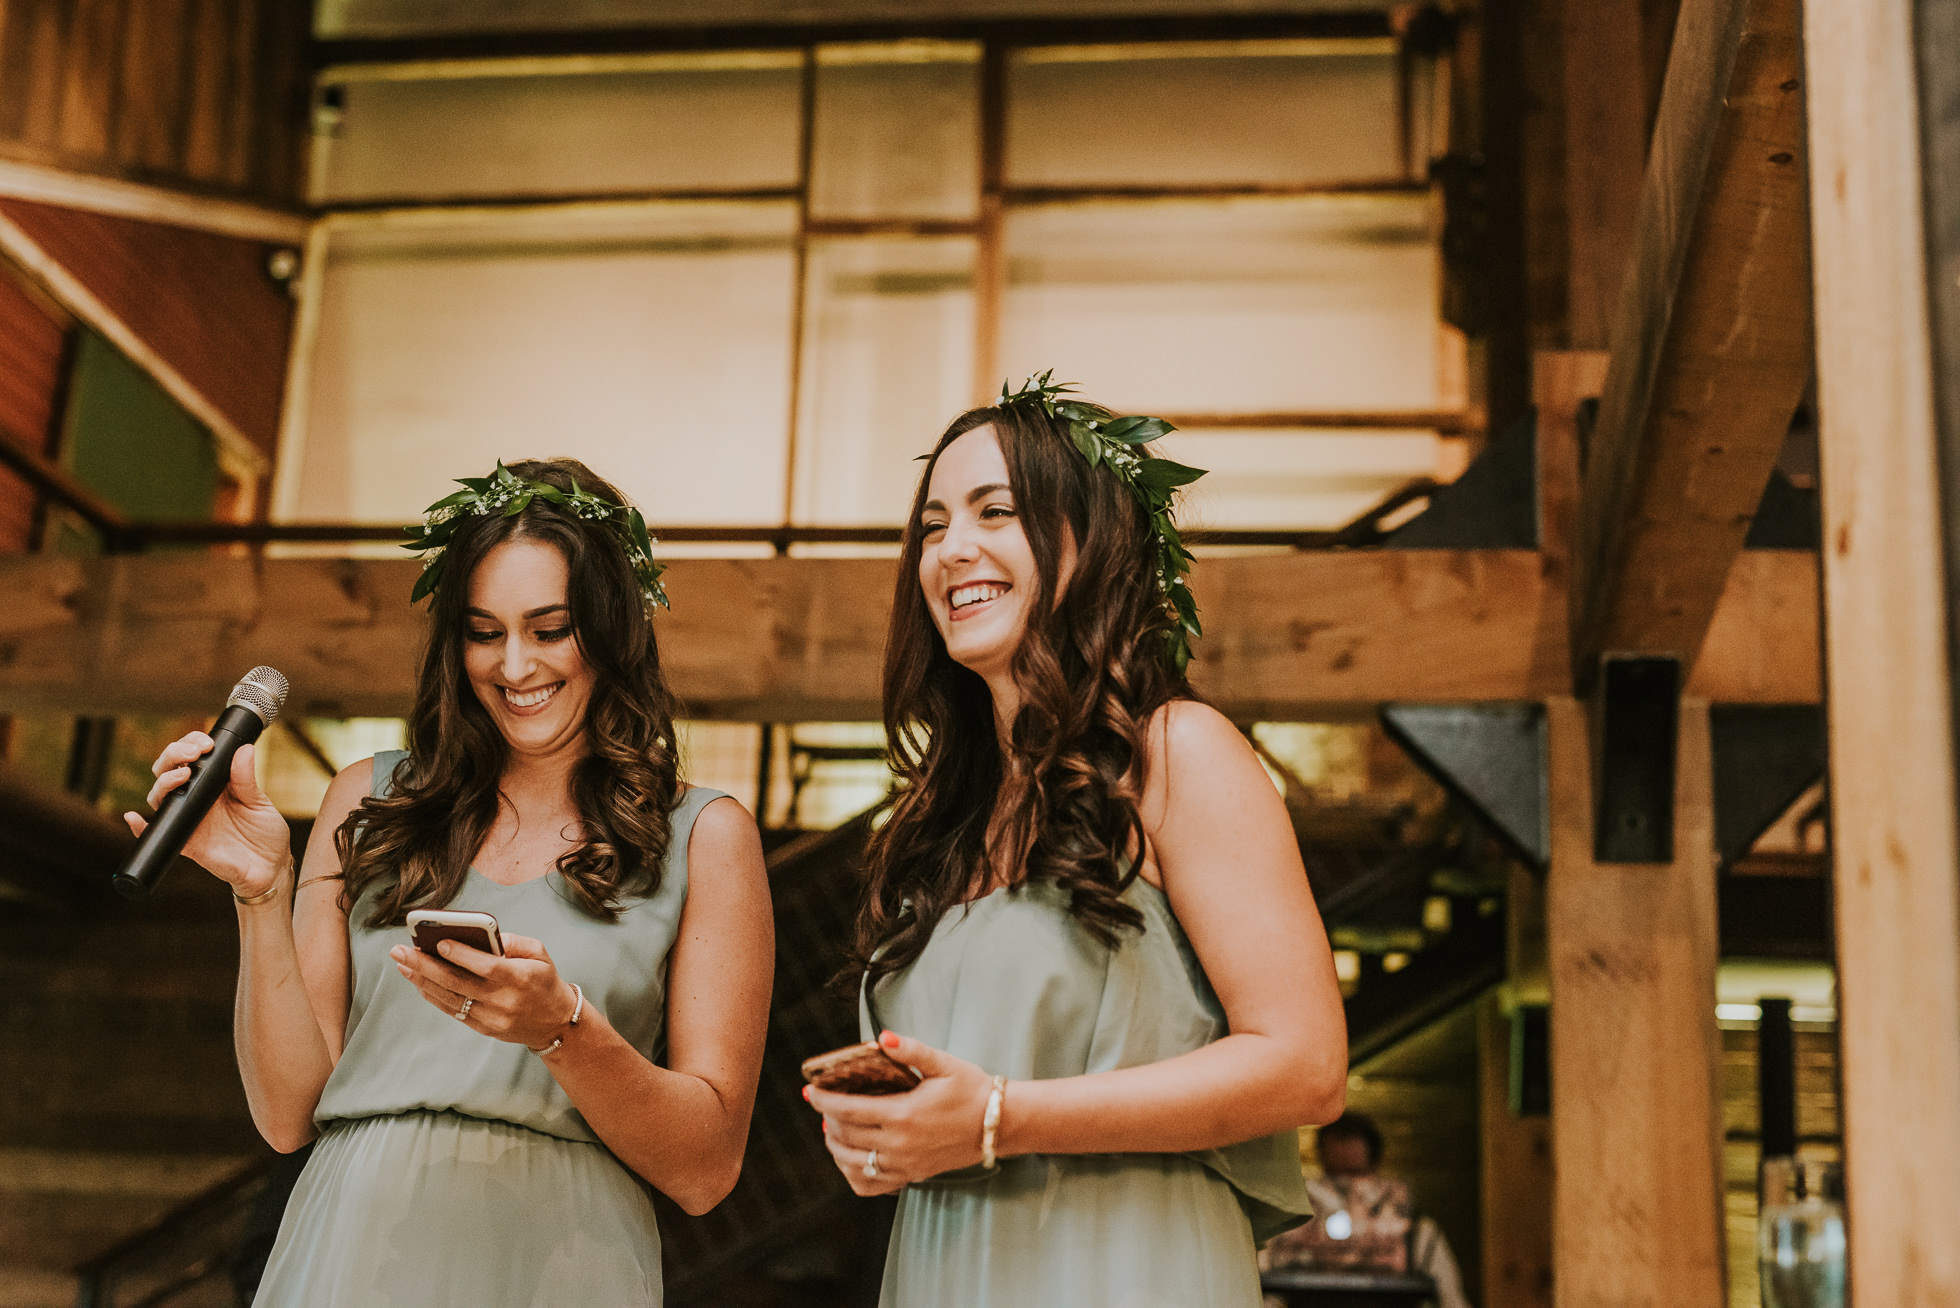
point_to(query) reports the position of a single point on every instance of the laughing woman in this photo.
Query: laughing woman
(1087, 922)
(488, 1125)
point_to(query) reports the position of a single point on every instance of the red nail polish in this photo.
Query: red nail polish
(806, 1094)
(826, 1127)
(889, 1040)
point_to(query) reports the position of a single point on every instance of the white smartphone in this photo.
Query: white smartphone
(427, 926)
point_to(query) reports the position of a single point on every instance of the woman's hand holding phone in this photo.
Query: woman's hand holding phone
(930, 1129)
(242, 841)
(519, 998)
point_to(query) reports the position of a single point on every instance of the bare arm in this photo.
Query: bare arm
(682, 1127)
(293, 962)
(1225, 855)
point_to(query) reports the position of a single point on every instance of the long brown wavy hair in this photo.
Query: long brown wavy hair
(445, 798)
(1091, 669)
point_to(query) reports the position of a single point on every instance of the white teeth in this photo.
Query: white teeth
(531, 698)
(974, 594)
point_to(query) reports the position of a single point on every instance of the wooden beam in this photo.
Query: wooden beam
(1289, 636)
(1886, 629)
(151, 204)
(1711, 347)
(1636, 1101)
(1605, 151)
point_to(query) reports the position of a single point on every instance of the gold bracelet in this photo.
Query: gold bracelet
(244, 901)
(990, 1123)
(557, 1042)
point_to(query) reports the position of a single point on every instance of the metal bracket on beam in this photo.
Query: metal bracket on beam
(1492, 757)
(1492, 506)
(1638, 712)
(1764, 757)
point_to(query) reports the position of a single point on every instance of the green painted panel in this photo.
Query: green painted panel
(131, 443)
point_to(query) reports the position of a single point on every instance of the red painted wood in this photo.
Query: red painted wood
(203, 302)
(32, 344)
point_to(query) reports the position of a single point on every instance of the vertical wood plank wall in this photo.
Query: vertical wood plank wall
(1886, 651)
(209, 95)
(1637, 1217)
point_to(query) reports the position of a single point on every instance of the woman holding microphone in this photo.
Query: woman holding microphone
(488, 1123)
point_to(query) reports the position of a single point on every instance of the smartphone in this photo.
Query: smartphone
(426, 926)
(862, 1069)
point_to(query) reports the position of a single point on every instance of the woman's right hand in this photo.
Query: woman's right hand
(242, 841)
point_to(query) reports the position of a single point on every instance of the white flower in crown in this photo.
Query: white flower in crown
(504, 492)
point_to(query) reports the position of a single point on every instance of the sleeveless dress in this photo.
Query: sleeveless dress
(451, 1169)
(1011, 982)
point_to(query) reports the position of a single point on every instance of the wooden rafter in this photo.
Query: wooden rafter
(1711, 348)
(1288, 636)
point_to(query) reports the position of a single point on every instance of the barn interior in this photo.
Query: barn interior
(1580, 385)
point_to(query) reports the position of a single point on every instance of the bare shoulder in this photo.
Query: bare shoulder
(349, 787)
(1190, 724)
(1188, 738)
(723, 830)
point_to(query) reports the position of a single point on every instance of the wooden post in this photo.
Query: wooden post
(1637, 1214)
(1517, 1150)
(1887, 652)
(1605, 154)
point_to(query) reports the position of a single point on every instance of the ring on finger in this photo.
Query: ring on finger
(870, 1168)
(463, 1014)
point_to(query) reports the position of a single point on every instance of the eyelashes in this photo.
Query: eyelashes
(547, 636)
(994, 511)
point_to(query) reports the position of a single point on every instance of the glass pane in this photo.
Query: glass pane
(888, 362)
(897, 132)
(1267, 113)
(1308, 480)
(652, 341)
(728, 123)
(1292, 304)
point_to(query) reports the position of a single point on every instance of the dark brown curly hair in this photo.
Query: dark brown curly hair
(1092, 668)
(424, 833)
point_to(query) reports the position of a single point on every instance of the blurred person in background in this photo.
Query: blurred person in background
(1367, 1222)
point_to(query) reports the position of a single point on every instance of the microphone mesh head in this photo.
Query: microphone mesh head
(263, 690)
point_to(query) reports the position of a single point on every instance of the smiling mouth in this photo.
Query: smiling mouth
(964, 599)
(530, 699)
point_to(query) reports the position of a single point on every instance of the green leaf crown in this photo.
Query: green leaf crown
(1112, 443)
(504, 492)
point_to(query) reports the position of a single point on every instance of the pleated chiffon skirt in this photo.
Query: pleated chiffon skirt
(423, 1210)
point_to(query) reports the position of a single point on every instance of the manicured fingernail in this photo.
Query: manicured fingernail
(806, 1094)
(826, 1126)
(889, 1040)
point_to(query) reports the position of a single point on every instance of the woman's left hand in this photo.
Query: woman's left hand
(519, 998)
(932, 1128)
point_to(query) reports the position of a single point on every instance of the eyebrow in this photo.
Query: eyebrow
(528, 613)
(973, 496)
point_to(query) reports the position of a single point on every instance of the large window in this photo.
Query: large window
(751, 285)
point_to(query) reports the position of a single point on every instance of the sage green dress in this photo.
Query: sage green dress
(1012, 982)
(450, 1168)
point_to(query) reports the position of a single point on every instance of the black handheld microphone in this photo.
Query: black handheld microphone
(254, 703)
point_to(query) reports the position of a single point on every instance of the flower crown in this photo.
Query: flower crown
(1111, 443)
(504, 492)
